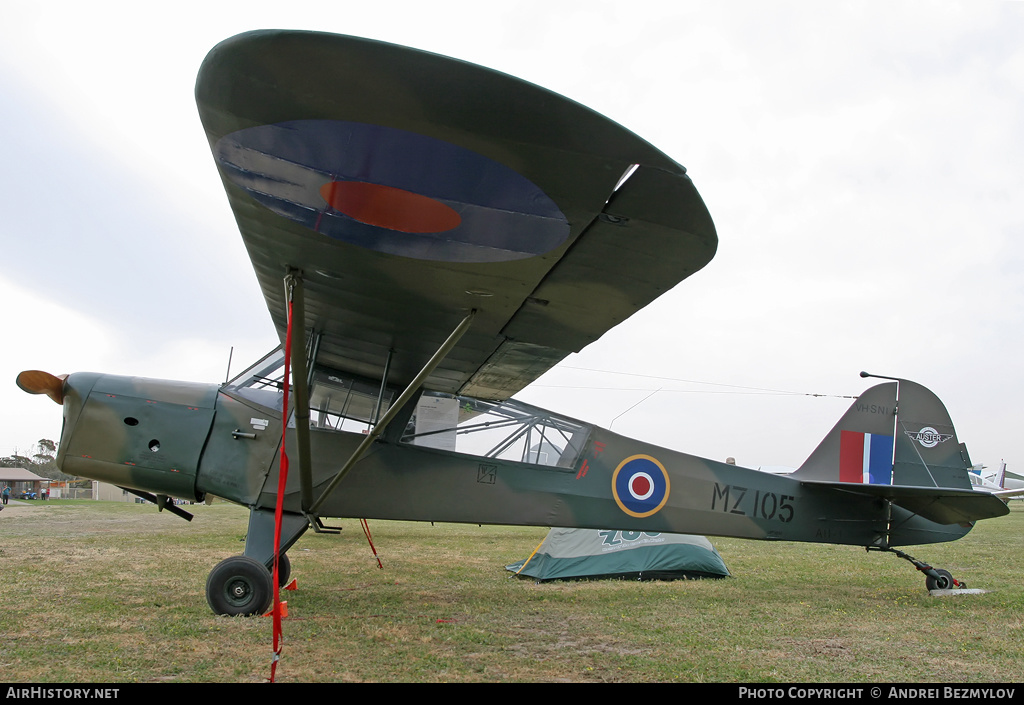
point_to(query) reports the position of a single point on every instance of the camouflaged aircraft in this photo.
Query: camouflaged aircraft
(430, 237)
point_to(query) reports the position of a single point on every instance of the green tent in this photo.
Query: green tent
(574, 554)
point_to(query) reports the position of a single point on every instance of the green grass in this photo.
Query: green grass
(107, 592)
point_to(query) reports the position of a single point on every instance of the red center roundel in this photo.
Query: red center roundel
(389, 207)
(640, 486)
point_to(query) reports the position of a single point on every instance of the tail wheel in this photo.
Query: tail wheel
(240, 586)
(935, 578)
(944, 581)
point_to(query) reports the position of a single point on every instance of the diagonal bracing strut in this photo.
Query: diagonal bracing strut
(395, 407)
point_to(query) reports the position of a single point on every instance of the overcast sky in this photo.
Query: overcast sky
(863, 162)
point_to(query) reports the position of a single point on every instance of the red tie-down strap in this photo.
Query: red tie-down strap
(366, 530)
(279, 510)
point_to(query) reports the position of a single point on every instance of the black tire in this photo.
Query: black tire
(284, 570)
(943, 582)
(240, 586)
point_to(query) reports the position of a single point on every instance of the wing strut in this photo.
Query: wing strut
(300, 383)
(395, 407)
(383, 386)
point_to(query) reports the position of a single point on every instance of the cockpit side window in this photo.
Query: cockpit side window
(337, 401)
(345, 403)
(508, 430)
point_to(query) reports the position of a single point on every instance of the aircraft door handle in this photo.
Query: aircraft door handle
(239, 433)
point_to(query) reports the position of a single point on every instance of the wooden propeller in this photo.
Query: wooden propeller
(39, 382)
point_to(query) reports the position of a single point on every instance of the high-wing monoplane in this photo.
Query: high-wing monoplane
(431, 236)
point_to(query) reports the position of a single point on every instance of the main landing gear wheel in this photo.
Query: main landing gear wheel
(944, 581)
(284, 570)
(240, 586)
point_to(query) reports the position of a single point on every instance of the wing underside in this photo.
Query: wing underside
(410, 188)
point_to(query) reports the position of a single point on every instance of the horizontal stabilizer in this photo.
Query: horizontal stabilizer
(941, 505)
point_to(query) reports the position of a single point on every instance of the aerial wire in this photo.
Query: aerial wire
(633, 407)
(741, 389)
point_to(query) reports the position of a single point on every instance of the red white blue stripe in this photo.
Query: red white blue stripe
(865, 458)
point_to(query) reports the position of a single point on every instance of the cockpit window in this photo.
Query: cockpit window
(337, 401)
(262, 383)
(508, 430)
(344, 403)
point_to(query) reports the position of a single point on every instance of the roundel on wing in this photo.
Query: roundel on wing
(393, 191)
(640, 485)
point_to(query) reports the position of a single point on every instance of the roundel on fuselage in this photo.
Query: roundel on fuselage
(640, 485)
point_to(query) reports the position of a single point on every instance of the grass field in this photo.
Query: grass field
(109, 592)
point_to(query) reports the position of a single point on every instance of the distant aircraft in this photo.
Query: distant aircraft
(981, 483)
(1005, 484)
(1011, 480)
(430, 237)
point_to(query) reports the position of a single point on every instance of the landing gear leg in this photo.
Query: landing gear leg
(935, 578)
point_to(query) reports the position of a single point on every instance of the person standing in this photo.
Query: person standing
(7, 493)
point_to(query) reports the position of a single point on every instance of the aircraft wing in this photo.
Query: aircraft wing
(410, 188)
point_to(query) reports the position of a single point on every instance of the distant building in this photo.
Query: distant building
(22, 480)
(110, 493)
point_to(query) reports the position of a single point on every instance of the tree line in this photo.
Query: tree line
(42, 461)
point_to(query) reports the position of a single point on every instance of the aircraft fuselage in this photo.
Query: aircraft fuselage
(190, 440)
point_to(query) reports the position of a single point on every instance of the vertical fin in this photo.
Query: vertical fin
(896, 433)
